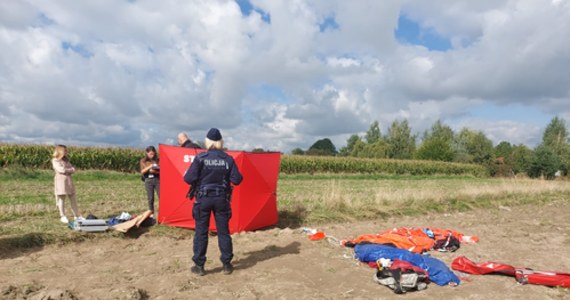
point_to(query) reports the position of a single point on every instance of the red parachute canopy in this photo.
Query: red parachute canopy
(522, 275)
(254, 201)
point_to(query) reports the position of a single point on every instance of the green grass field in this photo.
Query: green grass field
(28, 215)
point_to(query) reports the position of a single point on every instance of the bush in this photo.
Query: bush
(544, 163)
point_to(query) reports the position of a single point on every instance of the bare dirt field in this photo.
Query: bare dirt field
(284, 264)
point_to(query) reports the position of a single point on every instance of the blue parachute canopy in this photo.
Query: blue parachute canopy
(437, 270)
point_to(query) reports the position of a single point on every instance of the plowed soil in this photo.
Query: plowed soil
(282, 263)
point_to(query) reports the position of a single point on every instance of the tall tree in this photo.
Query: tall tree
(555, 134)
(357, 149)
(350, 143)
(556, 138)
(504, 149)
(503, 164)
(401, 140)
(435, 149)
(474, 147)
(373, 134)
(376, 150)
(460, 144)
(544, 163)
(481, 148)
(521, 156)
(437, 143)
(322, 147)
(297, 151)
(440, 131)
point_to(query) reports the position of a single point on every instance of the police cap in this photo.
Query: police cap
(214, 134)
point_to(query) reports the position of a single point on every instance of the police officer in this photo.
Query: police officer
(210, 174)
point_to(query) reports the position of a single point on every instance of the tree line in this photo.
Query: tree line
(549, 159)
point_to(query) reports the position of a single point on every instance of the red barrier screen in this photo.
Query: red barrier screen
(254, 201)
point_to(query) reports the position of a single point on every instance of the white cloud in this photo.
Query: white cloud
(137, 73)
(342, 62)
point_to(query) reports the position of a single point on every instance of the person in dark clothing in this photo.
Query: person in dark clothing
(185, 142)
(150, 171)
(212, 174)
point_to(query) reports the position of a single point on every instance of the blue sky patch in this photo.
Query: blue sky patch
(268, 92)
(246, 9)
(329, 23)
(77, 48)
(512, 112)
(43, 20)
(410, 32)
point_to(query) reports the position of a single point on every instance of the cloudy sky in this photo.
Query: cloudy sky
(279, 74)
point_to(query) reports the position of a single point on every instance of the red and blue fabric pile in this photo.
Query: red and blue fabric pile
(403, 267)
(437, 271)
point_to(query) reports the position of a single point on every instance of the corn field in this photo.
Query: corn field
(126, 160)
(39, 156)
(292, 164)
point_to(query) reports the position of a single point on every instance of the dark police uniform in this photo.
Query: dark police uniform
(211, 173)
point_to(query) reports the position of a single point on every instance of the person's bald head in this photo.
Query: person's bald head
(182, 137)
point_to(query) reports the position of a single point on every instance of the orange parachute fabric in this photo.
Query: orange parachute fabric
(412, 239)
(416, 240)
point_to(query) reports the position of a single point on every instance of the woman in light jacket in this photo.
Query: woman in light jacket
(63, 184)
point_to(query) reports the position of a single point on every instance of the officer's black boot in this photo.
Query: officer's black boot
(198, 270)
(228, 268)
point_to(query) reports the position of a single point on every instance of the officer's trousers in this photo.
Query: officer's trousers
(201, 211)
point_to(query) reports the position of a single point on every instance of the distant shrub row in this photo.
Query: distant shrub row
(126, 160)
(292, 164)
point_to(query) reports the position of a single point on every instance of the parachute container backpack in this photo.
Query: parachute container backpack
(402, 277)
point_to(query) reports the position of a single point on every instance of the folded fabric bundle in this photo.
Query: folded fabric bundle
(522, 275)
(438, 272)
